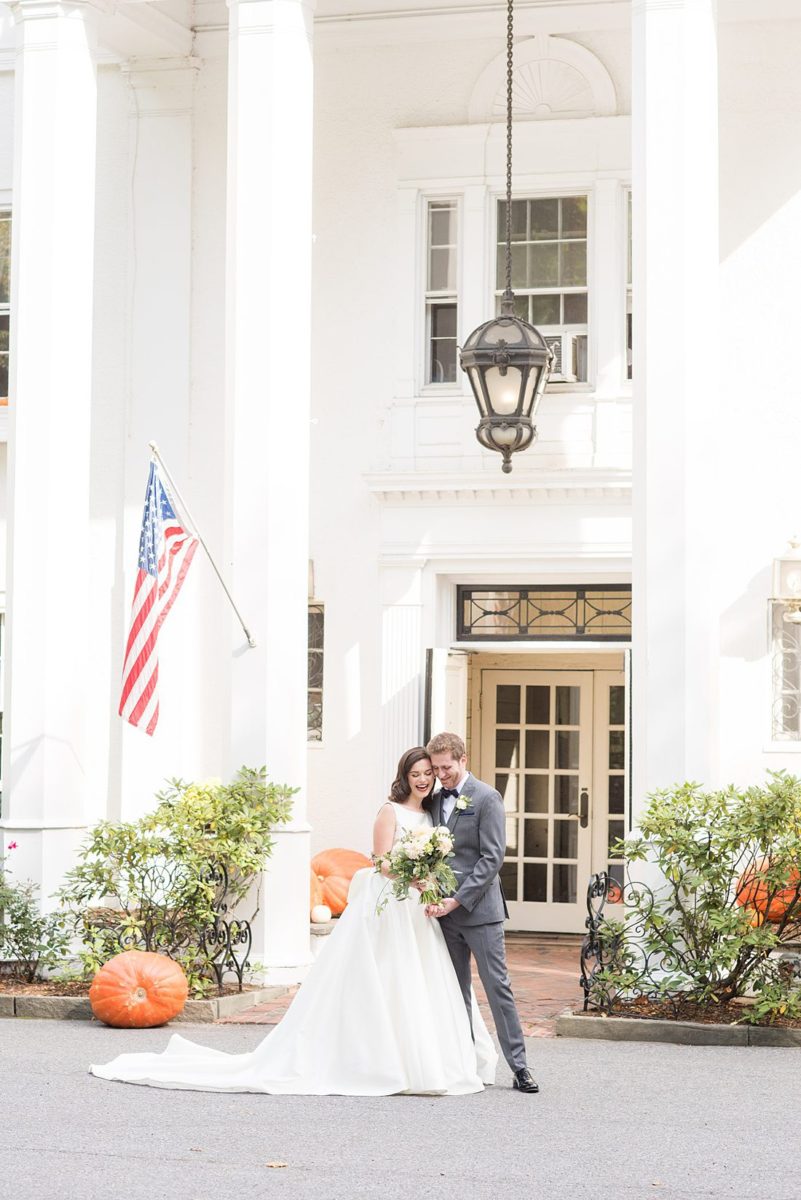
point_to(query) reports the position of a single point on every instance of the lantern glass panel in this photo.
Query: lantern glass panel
(475, 382)
(508, 331)
(503, 390)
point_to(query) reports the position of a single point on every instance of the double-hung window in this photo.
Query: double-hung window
(441, 291)
(549, 275)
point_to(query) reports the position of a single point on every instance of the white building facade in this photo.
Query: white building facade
(256, 235)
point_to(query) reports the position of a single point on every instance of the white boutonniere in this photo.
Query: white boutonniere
(464, 802)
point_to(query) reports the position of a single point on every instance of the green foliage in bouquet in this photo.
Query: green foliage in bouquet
(727, 899)
(152, 884)
(419, 857)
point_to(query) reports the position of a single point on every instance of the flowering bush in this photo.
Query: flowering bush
(419, 856)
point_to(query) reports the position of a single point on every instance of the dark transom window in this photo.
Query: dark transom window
(599, 613)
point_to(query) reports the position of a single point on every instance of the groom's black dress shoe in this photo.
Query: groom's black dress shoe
(524, 1081)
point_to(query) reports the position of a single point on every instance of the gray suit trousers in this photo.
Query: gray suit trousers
(486, 944)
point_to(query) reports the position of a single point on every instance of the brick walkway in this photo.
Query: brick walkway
(544, 974)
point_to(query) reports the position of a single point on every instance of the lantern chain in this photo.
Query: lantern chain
(509, 68)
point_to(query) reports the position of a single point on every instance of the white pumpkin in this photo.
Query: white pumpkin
(321, 914)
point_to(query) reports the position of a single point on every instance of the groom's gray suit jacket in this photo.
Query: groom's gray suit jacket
(479, 836)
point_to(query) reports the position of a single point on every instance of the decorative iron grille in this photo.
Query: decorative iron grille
(786, 670)
(600, 613)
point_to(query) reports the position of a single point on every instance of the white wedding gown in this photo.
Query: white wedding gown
(379, 1013)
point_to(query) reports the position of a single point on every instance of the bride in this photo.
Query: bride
(380, 1012)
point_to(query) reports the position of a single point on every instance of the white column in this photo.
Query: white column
(159, 283)
(402, 659)
(45, 764)
(268, 318)
(675, 207)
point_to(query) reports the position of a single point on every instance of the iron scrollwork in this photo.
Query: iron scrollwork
(228, 942)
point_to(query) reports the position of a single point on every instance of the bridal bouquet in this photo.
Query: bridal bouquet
(419, 856)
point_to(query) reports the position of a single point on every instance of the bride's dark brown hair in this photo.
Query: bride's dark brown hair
(400, 790)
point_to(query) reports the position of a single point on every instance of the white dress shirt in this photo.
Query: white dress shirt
(449, 803)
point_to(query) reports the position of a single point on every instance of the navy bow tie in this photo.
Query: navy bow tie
(445, 792)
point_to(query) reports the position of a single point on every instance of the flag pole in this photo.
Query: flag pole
(154, 450)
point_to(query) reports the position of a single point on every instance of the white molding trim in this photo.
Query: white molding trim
(575, 485)
(553, 78)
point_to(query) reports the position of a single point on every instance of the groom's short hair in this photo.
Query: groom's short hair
(447, 743)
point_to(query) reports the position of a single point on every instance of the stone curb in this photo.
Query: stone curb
(78, 1008)
(678, 1033)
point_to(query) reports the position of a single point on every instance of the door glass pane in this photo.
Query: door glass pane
(565, 839)
(617, 705)
(615, 832)
(536, 793)
(509, 880)
(565, 791)
(567, 705)
(564, 884)
(507, 705)
(538, 705)
(507, 748)
(535, 882)
(537, 743)
(507, 786)
(567, 750)
(535, 838)
(512, 835)
(617, 748)
(616, 794)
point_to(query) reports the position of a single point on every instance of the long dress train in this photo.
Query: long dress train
(379, 1013)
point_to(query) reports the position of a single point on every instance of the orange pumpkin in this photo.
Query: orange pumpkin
(754, 893)
(334, 870)
(137, 990)
(315, 891)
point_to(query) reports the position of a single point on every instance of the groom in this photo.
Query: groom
(472, 919)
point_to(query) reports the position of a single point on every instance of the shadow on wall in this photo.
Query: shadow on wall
(744, 624)
(760, 152)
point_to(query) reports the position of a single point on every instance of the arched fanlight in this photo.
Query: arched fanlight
(507, 361)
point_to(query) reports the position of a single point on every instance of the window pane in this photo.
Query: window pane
(443, 320)
(535, 882)
(565, 793)
(616, 832)
(536, 793)
(576, 309)
(574, 217)
(512, 834)
(617, 749)
(315, 629)
(442, 270)
(509, 880)
(507, 705)
(507, 786)
(315, 669)
(519, 271)
(5, 258)
(519, 221)
(442, 368)
(616, 794)
(564, 885)
(573, 270)
(567, 750)
(535, 843)
(537, 748)
(617, 705)
(565, 839)
(567, 705)
(545, 310)
(507, 748)
(543, 265)
(544, 219)
(538, 705)
(442, 225)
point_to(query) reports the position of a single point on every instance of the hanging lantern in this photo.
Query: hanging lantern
(507, 360)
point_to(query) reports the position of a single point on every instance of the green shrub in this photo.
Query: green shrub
(155, 884)
(721, 860)
(31, 942)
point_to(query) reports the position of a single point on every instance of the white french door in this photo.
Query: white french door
(537, 749)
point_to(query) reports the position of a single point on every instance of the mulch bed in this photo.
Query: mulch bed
(685, 1010)
(80, 987)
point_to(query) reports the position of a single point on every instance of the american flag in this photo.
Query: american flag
(165, 555)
